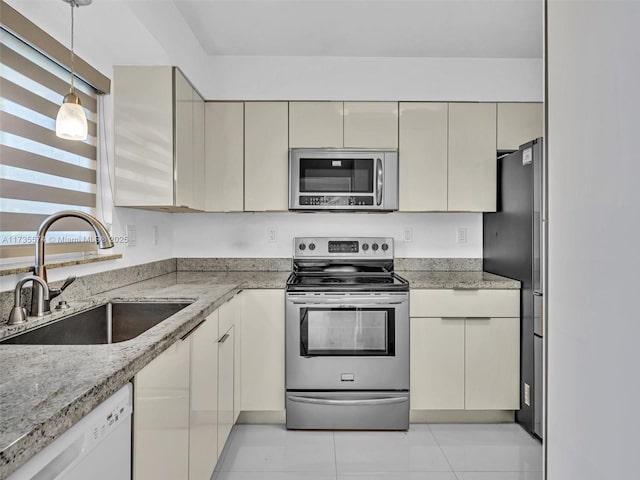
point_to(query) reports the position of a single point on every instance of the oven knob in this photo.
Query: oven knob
(302, 246)
(312, 246)
(385, 247)
(374, 247)
(365, 246)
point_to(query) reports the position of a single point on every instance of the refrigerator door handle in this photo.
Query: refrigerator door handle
(537, 293)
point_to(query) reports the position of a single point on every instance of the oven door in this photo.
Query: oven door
(343, 341)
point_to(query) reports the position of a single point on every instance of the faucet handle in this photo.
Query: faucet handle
(54, 292)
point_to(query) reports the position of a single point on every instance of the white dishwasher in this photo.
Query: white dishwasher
(97, 447)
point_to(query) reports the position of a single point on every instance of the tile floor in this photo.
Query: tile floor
(425, 452)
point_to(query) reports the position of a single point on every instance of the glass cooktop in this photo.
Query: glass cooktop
(301, 282)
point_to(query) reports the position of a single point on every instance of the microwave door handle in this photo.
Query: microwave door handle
(380, 182)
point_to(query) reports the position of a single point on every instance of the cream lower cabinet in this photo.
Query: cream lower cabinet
(226, 417)
(161, 416)
(465, 349)
(262, 356)
(203, 421)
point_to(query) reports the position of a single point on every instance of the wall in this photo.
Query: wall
(333, 78)
(245, 234)
(594, 100)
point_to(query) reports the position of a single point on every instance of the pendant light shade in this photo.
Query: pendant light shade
(71, 121)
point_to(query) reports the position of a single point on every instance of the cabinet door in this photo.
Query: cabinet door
(492, 364)
(437, 363)
(315, 124)
(519, 123)
(224, 123)
(203, 419)
(472, 157)
(183, 140)
(231, 315)
(143, 136)
(225, 386)
(371, 125)
(161, 416)
(199, 183)
(423, 156)
(262, 350)
(266, 149)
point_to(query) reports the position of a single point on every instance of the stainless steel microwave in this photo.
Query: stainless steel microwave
(343, 179)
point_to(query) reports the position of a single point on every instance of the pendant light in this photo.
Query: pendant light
(71, 121)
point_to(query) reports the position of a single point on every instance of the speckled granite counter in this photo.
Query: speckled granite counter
(470, 280)
(46, 389)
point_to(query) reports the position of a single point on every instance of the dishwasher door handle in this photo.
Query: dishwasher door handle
(348, 403)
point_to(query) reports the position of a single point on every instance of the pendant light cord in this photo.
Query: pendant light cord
(73, 56)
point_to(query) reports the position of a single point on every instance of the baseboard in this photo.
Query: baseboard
(461, 416)
(262, 416)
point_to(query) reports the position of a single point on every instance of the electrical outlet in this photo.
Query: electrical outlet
(527, 395)
(131, 235)
(272, 234)
(461, 235)
(155, 233)
(407, 234)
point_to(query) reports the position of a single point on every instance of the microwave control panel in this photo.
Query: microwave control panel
(335, 200)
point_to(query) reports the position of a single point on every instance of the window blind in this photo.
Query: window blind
(40, 173)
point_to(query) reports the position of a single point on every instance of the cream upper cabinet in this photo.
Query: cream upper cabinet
(316, 124)
(184, 145)
(371, 125)
(262, 356)
(472, 157)
(266, 149)
(519, 123)
(199, 161)
(161, 416)
(158, 123)
(437, 363)
(423, 156)
(465, 349)
(224, 164)
(203, 419)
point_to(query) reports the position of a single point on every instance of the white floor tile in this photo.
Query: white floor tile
(499, 475)
(371, 452)
(489, 448)
(398, 476)
(271, 448)
(273, 476)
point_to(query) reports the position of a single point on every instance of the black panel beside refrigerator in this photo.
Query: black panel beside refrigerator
(512, 247)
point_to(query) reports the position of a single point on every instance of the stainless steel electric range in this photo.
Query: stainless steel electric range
(347, 336)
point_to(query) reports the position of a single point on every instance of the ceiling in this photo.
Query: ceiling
(367, 28)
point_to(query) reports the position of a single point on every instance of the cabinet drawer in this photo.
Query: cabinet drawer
(465, 303)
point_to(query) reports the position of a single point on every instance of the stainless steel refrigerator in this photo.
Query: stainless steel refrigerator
(514, 247)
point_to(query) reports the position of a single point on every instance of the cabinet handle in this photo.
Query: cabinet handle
(184, 337)
(454, 318)
(478, 318)
(223, 338)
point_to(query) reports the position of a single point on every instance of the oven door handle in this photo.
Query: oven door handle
(348, 403)
(349, 301)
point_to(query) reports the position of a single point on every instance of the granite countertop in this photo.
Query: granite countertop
(457, 280)
(45, 389)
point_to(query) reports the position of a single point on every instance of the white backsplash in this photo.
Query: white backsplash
(247, 234)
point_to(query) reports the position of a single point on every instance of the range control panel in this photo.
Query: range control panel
(329, 247)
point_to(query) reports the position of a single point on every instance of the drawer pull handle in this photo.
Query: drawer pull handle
(223, 338)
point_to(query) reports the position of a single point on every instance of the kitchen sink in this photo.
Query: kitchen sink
(110, 323)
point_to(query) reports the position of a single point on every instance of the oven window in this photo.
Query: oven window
(345, 175)
(347, 332)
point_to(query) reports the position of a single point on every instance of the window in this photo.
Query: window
(40, 173)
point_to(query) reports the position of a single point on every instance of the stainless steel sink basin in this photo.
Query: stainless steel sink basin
(110, 323)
